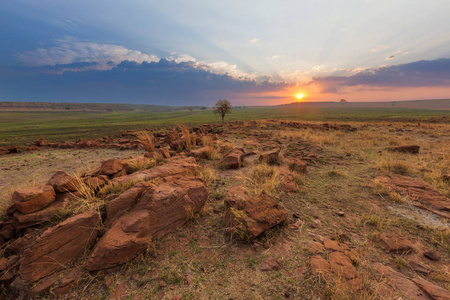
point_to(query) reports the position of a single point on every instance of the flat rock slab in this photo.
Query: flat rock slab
(59, 245)
(31, 199)
(395, 244)
(419, 191)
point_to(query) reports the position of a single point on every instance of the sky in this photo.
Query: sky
(197, 52)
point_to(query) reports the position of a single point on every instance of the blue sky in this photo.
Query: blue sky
(196, 52)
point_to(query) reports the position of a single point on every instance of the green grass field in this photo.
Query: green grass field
(22, 127)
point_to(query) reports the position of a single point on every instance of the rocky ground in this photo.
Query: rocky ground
(248, 210)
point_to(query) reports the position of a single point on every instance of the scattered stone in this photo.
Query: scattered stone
(316, 223)
(59, 245)
(315, 247)
(342, 266)
(270, 157)
(119, 291)
(406, 149)
(96, 182)
(319, 266)
(3, 264)
(38, 217)
(63, 182)
(287, 180)
(432, 254)
(110, 167)
(271, 264)
(200, 152)
(162, 283)
(340, 214)
(234, 159)
(394, 244)
(31, 199)
(41, 143)
(332, 245)
(299, 165)
(153, 155)
(71, 279)
(418, 267)
(252, 215)
(164, 152)
(434, 291)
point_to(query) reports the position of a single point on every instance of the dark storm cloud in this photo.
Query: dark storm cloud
(163, 82)
(424, 73)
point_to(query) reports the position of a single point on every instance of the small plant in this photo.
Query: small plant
(394, 165)
(145, 140)
(208, 174)
(263, 179)
(211, 150)
(188, 139)
(116, 188)
(142, 163)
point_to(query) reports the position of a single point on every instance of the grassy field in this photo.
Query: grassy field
(22, 127)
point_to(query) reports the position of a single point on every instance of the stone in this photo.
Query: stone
(299, 166)
(394, 244)
(31, 199)
(319, 266)
(59, 245)
(41, 143)
(119, 291)
(164, 152)
(406, 149)
(234, 159)
(432, 290)
(22, 221)
(315, 247)
(3, 264)
(126, 201)
(96, 182)
(418, 267)
(271, 264)
(63, 182)
(287, 180)
(432, 254)
(270, 157)
(252, 215)
(342, 266)
(200, 152)
(7, 230)
(153, 155)
(83, 144)
(160, 210)
(332, 245)
(110, 167)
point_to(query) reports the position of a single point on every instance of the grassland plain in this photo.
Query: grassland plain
(200, 261)
(19, 128)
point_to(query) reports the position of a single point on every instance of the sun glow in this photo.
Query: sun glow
(299, 96)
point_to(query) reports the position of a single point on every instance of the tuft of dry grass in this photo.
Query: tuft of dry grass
(188, 139)
(85, 197)
(394, 164)
(208, 174)
(143, 163)
(145, 140)
(385, 192)
(263, 179)
(211, 150)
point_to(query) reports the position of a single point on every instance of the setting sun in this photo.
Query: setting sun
(299, 96)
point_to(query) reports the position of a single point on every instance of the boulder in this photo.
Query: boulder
(41, 143)
(59, 245)
(63, 182)
(314, 247)
(252, 215)
(96, 182)
(200, 152)
(159, 210)
(153, 155)
(234, 159)
(332, 245)
(164, 152)
(406, 149)
(31, 199)
(432, 290)
(395, 244)
(38, 217)
(342, 266)
(110, 167)
(319, 266)
(287, 180)
(432, 254)
(299, 165)
(270, 157)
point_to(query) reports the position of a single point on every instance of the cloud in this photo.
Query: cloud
(69, 50)
(254, 40)
(424, 73)
(165, 82)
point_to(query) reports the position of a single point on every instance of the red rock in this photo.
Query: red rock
(119, 292)
(153, 155)
(234, 159)
(332, 245)
(126, 201)
(177, 145)
(3, 262)
(7, 230)
(314, 247)
(59, 245)
(83, 144)
(271, 264)
(252, 215)
(406, 149)
(32, 148)
(319, 266)
(111, 166)
(43, 285)
(22, 243)
(287, 180)
(200, 153)
(432, 254)
(299, 165)
(159, 211)
(418, 267)
(67, 145)
(63, 182)
(31, 199)
(395, 244)
(38, 217)
(432, 290)
(270, 157)
(96, 182)
(342, 266)
(41, 143)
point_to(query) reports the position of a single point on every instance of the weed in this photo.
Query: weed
(145, 140)
(188, 139)
(263, 179)
(208, 174)
(393, 164)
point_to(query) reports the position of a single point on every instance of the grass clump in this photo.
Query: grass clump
(188, 139)
(208, 174)
(211, 150)
(145, 140)
(263, 179)
(143, 163)
(395, 165)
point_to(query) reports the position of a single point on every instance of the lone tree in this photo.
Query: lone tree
(223, 107)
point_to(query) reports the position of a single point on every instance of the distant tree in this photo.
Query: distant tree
(204, 107)
(343, 101)
(191, 108)
(223, 107)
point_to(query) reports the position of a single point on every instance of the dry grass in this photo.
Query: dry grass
(393, 163)
(208, 174)
(144, 163)
(211, 150)
(385, 192)
(263, 179)
(145, 140)
(188, 139)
